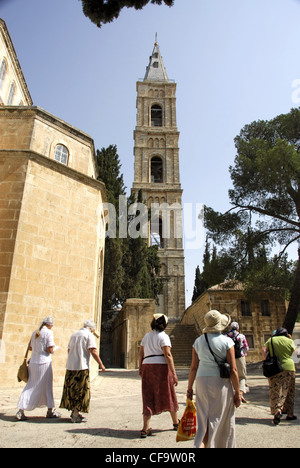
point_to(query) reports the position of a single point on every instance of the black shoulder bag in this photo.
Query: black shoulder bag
(272, 365)
(224, 366)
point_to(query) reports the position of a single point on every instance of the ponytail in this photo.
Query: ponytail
(38, 333)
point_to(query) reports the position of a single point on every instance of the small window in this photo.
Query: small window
(11, 94)
(246, 308)
(250, 341)
(2, 73)
(155, 64)
(61, 154)
(156, 116)
(157, 170)
(265, 308)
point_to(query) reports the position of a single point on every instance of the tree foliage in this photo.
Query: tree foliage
(265, 202)
(105, 11)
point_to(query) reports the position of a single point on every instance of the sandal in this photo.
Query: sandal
(277, 418)
(176, 426)
(291, 418)
(53, 414)
(145, 434)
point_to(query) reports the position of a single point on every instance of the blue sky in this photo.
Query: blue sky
(234, 61)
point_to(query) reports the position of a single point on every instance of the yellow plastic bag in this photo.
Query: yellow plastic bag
(188, 425)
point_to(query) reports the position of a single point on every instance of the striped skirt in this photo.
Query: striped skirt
(38, 392)
(158, 389)
(76, 393)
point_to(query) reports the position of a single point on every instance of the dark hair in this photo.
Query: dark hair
(281, 332)
(159, 324)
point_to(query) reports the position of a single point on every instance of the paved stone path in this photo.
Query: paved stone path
(115, 420)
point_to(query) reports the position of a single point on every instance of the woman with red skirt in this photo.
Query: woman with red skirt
(159, 379)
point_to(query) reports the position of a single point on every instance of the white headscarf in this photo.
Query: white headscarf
(47, 321)
(90, 324)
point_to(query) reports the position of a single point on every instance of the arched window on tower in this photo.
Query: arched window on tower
(61, 154)
(156, 116)
(157, 171)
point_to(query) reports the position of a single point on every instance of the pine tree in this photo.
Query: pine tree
(199, 286)
(265, 198)
(109, 167)
(105, 11)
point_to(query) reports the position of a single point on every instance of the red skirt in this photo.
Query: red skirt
(158, 389)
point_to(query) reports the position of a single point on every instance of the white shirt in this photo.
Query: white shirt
(39, 346)
(79, 347)
(153, 342)
(220, 345)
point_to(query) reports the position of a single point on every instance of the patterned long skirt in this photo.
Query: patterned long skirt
(76, 393)
(282, 392)
(158, 389)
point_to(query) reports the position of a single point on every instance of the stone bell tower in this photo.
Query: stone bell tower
(156, 174)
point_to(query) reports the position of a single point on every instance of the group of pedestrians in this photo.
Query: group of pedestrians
(218, 391)
(76, 393)
(218, 368)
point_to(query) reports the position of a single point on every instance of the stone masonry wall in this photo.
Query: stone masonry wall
(52, 263)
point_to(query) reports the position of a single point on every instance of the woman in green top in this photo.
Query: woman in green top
(282, 386)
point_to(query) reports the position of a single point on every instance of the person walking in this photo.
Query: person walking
(282, 385)
(76, 393)
(241, 347)
(216, 397)
(157, 370)
(39, 389)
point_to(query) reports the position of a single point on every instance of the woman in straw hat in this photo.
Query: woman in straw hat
(216, 397)
(39, 389)
(159, 379)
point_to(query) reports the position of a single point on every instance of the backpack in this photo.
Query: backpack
(237, 346)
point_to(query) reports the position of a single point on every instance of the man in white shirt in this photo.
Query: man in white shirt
(76, 393)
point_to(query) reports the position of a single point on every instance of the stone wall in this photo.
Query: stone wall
(14, 74)
(51, 239)
(129, 328)
(256, 327)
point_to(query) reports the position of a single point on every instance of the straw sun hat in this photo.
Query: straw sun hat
(216, 322)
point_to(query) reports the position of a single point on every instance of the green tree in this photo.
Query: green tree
(199, 287)
(266, 194)
(105, 11)
(109, 168)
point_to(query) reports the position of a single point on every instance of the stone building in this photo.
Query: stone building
(257, 318)
(13, 87)
(157, 176)
(51, 224)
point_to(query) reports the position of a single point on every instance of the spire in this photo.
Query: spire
(156, 70)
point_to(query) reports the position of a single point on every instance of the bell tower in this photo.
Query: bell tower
(156, 174)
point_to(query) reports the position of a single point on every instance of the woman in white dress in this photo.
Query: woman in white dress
(39, 389)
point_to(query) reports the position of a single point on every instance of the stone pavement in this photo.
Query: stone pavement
(115, 420)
